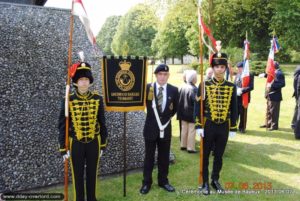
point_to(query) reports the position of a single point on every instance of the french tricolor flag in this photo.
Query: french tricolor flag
(270, 70)
(246, 73)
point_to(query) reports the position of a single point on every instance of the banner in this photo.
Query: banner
(124, 83)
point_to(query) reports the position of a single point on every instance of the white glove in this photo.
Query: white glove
(239, 91)
(66, 156)
(262, 75)
(200, 132)
(269, 85)
(232, 134)
(101, 153)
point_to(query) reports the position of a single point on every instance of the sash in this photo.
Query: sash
(161, 127)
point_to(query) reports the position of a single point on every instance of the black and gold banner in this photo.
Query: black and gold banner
(124, 83)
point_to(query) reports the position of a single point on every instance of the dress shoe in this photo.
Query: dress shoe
(145, 189)
(217, 186)
(205, 189)
(168, 187)
(192, 151)
(182, 148)
(263, 126)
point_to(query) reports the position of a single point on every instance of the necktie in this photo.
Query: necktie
(160, 98)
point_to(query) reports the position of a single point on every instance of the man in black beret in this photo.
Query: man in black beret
(161, 104)
(242, 111)
(220, 112)
(87, 132)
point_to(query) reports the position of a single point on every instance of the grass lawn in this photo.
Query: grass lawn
(268, 162)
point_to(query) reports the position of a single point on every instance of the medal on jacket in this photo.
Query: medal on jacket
(150, 94)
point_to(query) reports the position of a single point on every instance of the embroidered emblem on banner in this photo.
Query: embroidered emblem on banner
(125, 78)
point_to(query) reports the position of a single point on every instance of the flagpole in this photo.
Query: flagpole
(200, 179)
(125, 53)
(245, 108)
(66, 180)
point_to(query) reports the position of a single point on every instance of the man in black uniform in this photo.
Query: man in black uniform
(87, 132)
(161, 107)
(242, 111)
(220, 113)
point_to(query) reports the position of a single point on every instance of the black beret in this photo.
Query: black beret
(83, 70)
(240, 64)
(219, 59)
(161, 67)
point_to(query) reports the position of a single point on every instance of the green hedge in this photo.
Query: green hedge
(257, 67)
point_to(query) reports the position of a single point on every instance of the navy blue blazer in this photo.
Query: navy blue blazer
(279, 82)
(151, 129)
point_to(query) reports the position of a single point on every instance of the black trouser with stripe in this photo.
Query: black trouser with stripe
(84, 154)
(217, 135)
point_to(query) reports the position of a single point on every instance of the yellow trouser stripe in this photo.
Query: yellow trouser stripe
(99, 144)
(73, 178)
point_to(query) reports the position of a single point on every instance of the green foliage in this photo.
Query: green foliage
(234, 54)
(283, 56)
(106, 34)
(196, 66)
(285, 22)
(232, 19)
(137, 28)
(170, 40)
(295, 56)
(257, 67)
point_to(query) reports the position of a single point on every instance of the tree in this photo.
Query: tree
(170, 40)
(233, 18)
(106, 34)
(137, 29)
(285, 22)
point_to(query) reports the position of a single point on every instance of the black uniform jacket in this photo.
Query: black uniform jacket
(151, 129)
(90, 120)
(220, 104)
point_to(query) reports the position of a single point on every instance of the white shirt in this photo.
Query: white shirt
(164, 94)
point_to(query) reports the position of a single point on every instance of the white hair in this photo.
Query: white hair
(191, 75)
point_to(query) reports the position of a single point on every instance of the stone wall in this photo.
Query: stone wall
(33, 58)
